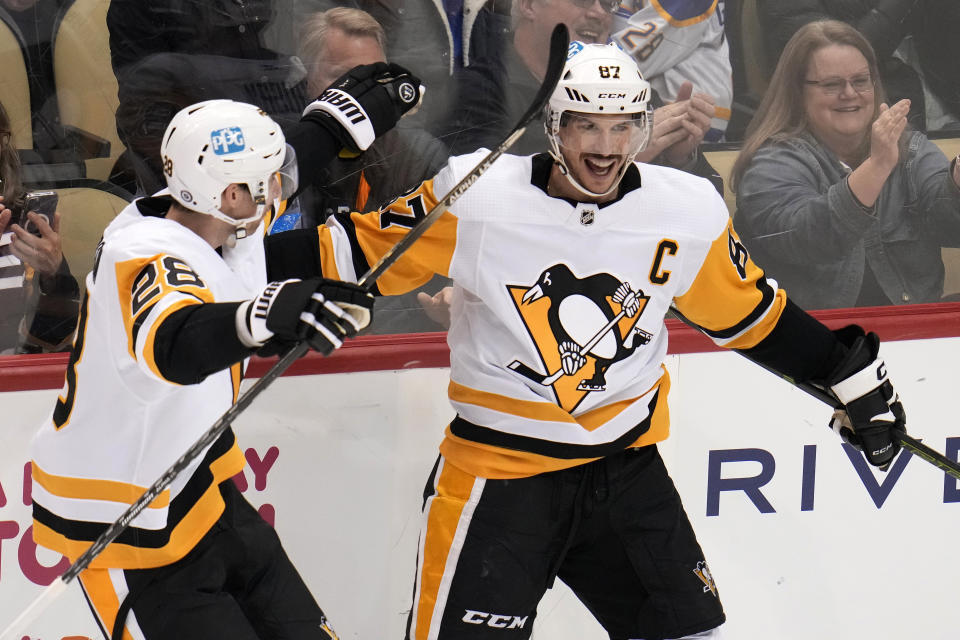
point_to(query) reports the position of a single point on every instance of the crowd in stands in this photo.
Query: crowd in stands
(840, 194)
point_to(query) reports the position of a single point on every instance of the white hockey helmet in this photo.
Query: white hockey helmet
(210, 145)
(599, 79)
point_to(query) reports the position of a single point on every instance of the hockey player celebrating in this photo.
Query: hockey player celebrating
(564, 267)
(177, 301)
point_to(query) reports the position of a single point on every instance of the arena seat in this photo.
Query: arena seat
(85, 211)
(722, 160)
(86, 86)
(14, 86)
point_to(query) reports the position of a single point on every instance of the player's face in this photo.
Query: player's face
(595, 147)
(242, 206)
(840, 105)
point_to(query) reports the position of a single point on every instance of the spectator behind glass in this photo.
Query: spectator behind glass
(679, 41)
(883, 23)
(38, 296)
(433, 37)
(836, 197)
(333, 42)
(493, 93)
(168, 54)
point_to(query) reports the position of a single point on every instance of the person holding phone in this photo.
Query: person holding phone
(39, 298)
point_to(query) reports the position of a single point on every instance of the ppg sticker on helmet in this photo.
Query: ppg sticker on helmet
(574, 48)
(228, 140)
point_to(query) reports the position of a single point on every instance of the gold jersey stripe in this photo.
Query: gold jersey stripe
(727, 289)
(328, 261)
(93, 489)
(498, 463)
(530, 409)
(188, 532)
(545, 411)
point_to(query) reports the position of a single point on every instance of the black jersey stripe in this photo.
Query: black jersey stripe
(561, 450)
(767, 294)
(360, 264)
(180, 506)
(138, 322)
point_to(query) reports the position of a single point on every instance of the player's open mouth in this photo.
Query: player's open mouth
(601, 166)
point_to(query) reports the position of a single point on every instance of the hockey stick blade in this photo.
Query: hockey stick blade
(559, 41)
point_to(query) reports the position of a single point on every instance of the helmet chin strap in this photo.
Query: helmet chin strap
(565, 170)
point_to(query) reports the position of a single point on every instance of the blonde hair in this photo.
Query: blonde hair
(9, 161)
(353, 22)
(782, 114)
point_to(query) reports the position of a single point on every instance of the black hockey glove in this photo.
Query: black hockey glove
(323, 312)
(871, 409)
(365, 102)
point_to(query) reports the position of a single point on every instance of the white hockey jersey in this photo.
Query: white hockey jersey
(539, 280)
(118, 424)
(678, 40)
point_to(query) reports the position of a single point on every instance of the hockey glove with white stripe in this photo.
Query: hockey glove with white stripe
(871, 408)
(365, 102)
(323, 312)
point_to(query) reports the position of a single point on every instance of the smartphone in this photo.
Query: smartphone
(43, 203)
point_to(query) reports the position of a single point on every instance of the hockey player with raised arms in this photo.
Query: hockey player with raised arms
(177, 301)
(565, 265)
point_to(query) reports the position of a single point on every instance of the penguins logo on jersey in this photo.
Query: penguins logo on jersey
(580, 326)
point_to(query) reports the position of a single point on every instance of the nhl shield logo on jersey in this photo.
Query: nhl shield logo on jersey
(580, 327)
(703, 572)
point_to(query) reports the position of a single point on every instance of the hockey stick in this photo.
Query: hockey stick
(914, 446)
(558, 53)
(547, 380)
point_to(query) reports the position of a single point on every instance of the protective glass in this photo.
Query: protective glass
(608, 5)
(862, 83)
(288, 175)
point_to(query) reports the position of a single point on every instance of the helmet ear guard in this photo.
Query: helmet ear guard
(211, 145)
(599, 79)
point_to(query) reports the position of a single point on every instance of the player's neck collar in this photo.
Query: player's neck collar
(540, 178)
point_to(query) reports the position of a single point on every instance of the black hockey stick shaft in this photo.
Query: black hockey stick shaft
(558, 51)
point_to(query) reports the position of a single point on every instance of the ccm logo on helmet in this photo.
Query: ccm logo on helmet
(228, 140)
(494, 620)
(613, 96)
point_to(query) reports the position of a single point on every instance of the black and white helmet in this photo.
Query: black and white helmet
(599, 79)
(210, 145)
